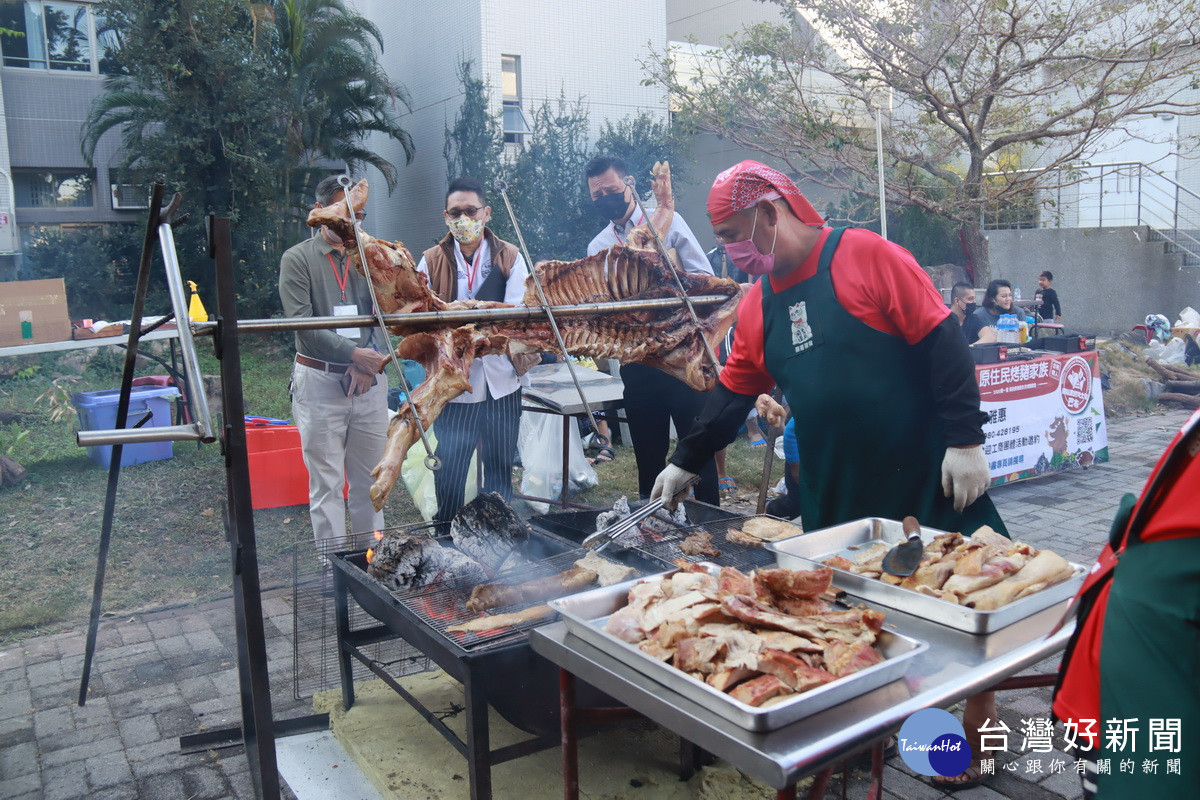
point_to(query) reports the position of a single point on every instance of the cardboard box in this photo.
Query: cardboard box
(32, 312)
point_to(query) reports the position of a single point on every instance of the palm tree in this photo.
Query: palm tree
(336, 91)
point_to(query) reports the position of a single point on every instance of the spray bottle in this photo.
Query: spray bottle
(196, 310)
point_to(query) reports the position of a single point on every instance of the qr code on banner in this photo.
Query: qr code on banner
(1084, 429)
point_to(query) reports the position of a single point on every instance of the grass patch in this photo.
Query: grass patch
(169, 544)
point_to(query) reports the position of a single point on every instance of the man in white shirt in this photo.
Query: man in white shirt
(653, 399)
(471, 263)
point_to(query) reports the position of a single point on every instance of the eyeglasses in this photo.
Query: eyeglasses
(455, 213)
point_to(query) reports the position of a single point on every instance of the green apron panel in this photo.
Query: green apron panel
(871, 443)
(1152, 618)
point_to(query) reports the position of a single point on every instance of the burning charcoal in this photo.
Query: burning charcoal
(619, 509)
(404, 562)
(488, 530)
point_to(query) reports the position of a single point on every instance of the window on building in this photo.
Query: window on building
(130, 189)
(57, 36)
(515, 124)
(54, 188)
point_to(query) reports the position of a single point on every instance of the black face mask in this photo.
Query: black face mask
(611, 206)
(970, 309)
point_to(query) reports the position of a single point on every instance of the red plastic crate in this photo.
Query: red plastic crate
(278, 476)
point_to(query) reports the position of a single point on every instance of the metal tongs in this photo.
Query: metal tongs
(603, 538)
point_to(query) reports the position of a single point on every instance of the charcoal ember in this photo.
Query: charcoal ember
(402, 561)
(488, 530)
(619, 509)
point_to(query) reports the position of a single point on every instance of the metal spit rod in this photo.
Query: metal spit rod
(433, 319)
(502, 187)
(662, 251)
(431, 461)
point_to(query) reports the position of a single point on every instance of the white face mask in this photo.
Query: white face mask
(465, 229)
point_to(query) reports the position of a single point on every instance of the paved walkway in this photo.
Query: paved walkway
(164, 674)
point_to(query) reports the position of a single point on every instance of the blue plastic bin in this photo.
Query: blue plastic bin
(98, 412)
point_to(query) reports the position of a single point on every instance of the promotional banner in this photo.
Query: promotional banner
(1044, 415)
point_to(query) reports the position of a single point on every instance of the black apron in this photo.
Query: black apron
(871, 443)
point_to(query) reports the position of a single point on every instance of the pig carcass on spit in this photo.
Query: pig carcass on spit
(662, 338)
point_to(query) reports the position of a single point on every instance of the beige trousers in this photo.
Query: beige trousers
(342, 438)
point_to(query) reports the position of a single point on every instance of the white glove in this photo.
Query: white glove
(964, 475)
(670, 483)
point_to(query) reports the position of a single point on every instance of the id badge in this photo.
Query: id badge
(347, 310)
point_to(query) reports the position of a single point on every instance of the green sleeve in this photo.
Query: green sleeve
(295, 293)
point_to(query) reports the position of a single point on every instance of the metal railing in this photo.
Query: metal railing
(1121, 193)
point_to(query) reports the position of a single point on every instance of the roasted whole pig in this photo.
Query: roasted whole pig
(665, 338)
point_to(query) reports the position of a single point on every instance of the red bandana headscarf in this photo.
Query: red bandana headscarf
(744, 184)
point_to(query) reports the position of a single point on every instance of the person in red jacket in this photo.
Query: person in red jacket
(875, 369)
(1129, 685)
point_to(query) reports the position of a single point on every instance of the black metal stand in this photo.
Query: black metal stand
(476, 748)
(153, 220)
(257, 723)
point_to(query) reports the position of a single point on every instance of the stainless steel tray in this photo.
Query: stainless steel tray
(586, 613)
(849, 539)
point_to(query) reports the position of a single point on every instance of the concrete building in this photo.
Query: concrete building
(48, 80)
(528, 52)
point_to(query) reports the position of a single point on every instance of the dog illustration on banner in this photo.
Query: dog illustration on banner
(802, 332)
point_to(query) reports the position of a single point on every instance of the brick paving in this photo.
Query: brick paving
(163, 674)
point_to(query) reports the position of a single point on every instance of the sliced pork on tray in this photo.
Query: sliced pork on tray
(762, 637)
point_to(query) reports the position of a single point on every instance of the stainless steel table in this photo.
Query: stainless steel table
(956, 665)
(551, 391)
(80, 344)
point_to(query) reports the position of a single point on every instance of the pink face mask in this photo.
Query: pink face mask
(747, 257)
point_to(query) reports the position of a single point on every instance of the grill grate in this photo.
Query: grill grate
(441, 607)
(665, 547)
(577, 525)
(314, 631)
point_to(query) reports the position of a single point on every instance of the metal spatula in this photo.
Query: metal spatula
(903, 559)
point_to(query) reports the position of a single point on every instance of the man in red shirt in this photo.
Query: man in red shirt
(875, 368)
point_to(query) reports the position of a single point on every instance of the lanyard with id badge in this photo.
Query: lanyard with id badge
(344, 309)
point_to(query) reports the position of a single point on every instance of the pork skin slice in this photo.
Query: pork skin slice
(699, 543)
(626, 623)
(699, 654)
(734, 581)
(770, 530)
(607, 572)
(502, 620)
(725, 679)
(1045, 569)
(792, 671)
(759, 690)
(799, 584)
(494, 595)
(846, 658)
(789, 642)
(744, 539)
(826, 626)
(990, 572)
(658, 613)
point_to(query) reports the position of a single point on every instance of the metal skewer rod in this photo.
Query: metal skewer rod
(662, 251)
(502, 187)
(431, 461)
(434, 319)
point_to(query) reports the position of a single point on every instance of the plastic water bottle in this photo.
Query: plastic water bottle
(1017, 294)
(1006, 329)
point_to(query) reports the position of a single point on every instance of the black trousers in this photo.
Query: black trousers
(654, 399)
(492, 425)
